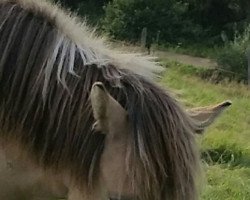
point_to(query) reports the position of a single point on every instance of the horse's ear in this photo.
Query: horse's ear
(106, 110)
(99, 101)
(205, 116)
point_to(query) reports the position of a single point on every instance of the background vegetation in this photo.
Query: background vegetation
(177, 20)
(208, 28)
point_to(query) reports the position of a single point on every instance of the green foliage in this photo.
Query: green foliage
(92, 10)
(215, 16)
(233, 57)
(181, 21)
(125, 19)
(177, 21)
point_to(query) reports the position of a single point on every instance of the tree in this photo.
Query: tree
(125, 19)
(91, 9)
(215, 16)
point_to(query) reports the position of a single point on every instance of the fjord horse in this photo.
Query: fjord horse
(88, 117)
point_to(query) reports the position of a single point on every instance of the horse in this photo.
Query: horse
(90, 118)
(19, 181)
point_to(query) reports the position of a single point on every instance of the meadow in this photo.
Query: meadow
(225, 146)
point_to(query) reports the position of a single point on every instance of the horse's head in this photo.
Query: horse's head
(149, 147)
(113, 121)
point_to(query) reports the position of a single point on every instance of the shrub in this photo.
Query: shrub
(125, 19)
(233, 58)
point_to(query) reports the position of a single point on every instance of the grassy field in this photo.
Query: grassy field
(225, 146)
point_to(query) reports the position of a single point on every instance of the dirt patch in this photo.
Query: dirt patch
(171, 56)
(186, 59)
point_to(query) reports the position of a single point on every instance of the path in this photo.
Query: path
(186, 59)
(181, 58)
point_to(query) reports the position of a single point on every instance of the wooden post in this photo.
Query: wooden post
(248, 64)
(158, 37)
(143, 37)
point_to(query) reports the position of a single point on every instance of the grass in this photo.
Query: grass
(225, 146)
(227, 184)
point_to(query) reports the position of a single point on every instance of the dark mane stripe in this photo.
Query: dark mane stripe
(45, 81)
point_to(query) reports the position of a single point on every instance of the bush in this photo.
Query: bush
(216, 16)
(233, 58)
(92, 10)
(125, 19)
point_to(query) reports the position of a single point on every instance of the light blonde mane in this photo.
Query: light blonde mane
(73, 35)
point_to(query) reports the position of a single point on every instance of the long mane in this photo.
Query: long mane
(48, 62)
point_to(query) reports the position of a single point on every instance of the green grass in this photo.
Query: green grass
(225, 145)
(227, 184)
